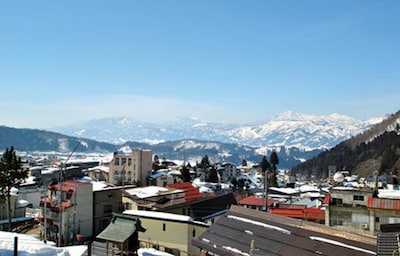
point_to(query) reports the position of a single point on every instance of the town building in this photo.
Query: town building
(66, 212)
(151, 197)
(172, 233)
(131, 168)
(180, 198)
(121, 234)
(99, 173)
(18, 212)
(243, 231)
(227, 171)
(347, 208)
(107, 199)
(161, 179)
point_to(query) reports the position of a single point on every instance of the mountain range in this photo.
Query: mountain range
(295, 137)
(377, 149)
(288, 129)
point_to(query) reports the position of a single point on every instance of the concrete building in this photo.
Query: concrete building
(72, 218)
(150, 197)
(132, 168)
(227, 171)
(172, 233)
(347, 208)
(356, 209)
(107, 199)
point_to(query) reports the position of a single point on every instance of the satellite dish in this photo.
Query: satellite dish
(338, 177)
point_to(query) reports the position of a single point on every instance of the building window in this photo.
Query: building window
(337, 200)
(336, 222)
(129, 161)
(377, 219)
(393, 220)
(69, 194)
(359, 218)
(194, 233)
(116, 161)
(107, 208)
(164, 226)
(358, 198)
(123, 161)
(183, 211)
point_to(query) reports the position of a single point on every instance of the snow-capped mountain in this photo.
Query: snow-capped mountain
(288, 129)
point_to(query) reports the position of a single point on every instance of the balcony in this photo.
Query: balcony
(53, 205)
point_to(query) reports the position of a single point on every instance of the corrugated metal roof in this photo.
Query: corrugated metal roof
(258, 233)
(120, 228)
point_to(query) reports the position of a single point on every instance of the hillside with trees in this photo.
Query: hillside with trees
(376, 149)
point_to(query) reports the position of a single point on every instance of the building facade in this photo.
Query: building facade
(66, 213)
(348, 209)
(172, 233)
(133, 168)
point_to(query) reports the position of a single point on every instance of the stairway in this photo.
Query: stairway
(387, 243)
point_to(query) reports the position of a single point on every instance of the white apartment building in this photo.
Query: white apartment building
(131, 168)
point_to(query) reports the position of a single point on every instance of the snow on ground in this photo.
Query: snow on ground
(29, 246)
(152, 252)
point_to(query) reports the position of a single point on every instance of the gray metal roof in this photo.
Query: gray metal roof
(241, 231)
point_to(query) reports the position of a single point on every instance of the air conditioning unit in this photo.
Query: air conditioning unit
(364, 226)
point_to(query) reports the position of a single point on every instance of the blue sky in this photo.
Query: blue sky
(237, 61)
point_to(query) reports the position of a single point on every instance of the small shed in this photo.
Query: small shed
(122, 233)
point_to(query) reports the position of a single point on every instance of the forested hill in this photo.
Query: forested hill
(40, 140)
(378, 148)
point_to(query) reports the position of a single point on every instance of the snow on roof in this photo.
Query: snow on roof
(309, 188)
(285, 231)
(329, 241)
(287, 191)
(159, 215)
(21, 203)
(150, 191)
(101, 168)
(100, 185)
(389, 194)
(30, 246)
(50, 170)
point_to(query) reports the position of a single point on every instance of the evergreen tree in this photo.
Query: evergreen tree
(234, 183)
(185, 174)
(11, 175)
(264, 164)
(205, 163)
(213, 176)
(274, 160)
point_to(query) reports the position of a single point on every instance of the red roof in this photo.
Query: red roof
(327, 199)
(305, 213)
(191, 193)
(67, 185)
(256, 201)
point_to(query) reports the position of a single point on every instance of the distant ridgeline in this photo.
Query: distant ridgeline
(378, 148)
(31, 140)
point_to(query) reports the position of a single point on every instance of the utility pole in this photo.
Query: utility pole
(60, 181)
(266, 189)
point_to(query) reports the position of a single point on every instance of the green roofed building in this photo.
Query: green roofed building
(122, 233)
